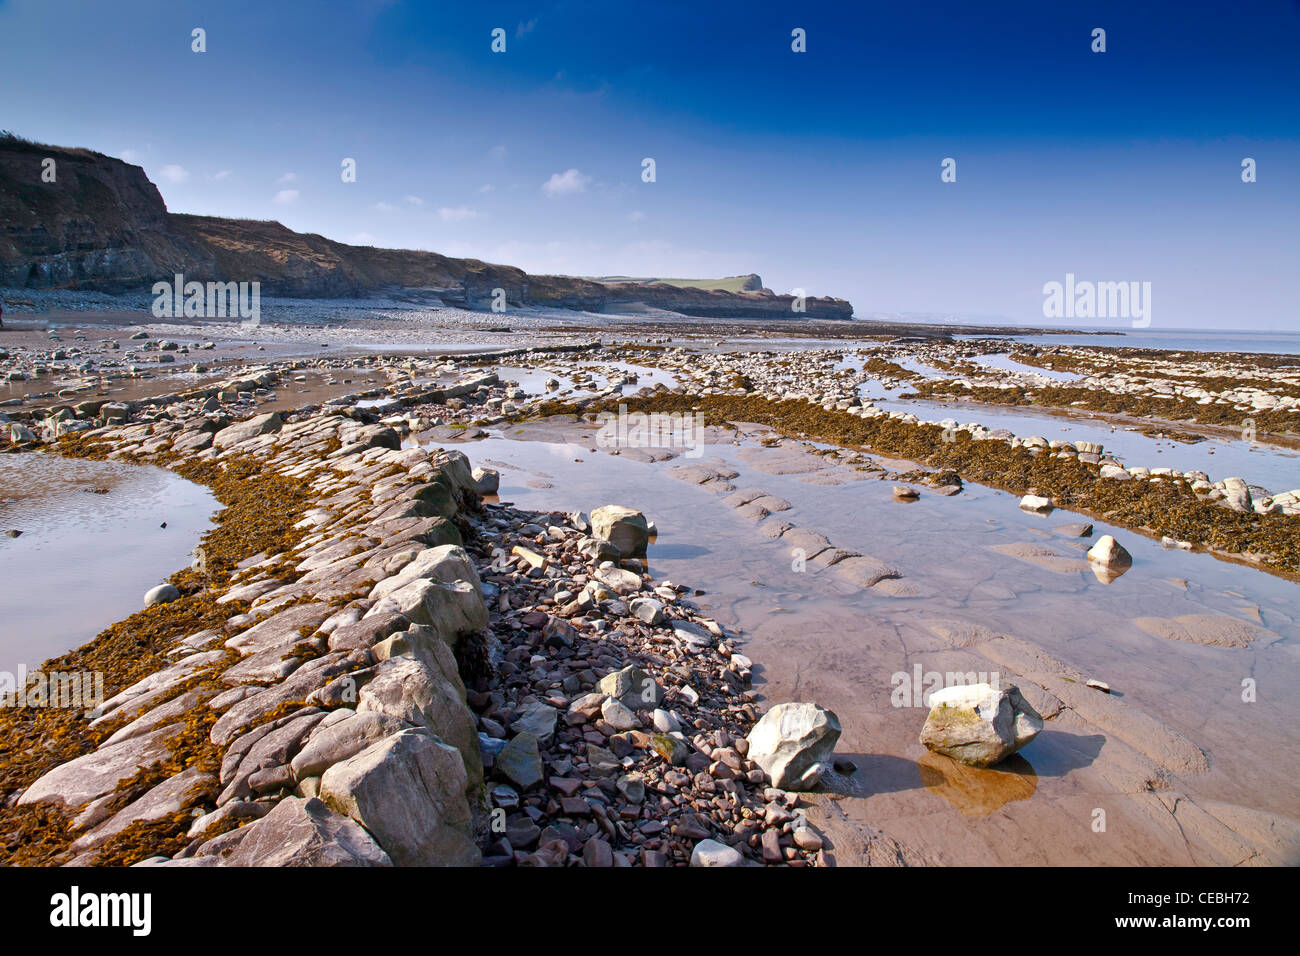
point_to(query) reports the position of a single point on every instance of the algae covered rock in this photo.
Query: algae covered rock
(979, 724)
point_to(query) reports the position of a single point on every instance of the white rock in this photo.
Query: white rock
(713, 853)
(978, 724)
(1109, 553)
(162, 594)
(793, 743)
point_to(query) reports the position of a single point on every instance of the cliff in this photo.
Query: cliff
(103, 225)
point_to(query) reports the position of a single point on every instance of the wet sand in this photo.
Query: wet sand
(1183, 768)
(1185, 771)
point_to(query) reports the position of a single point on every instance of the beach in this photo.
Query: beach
(841, 516)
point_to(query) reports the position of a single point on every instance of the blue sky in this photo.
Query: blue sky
(818, 170)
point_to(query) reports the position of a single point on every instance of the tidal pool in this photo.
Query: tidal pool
(984, 587)
(92, 544)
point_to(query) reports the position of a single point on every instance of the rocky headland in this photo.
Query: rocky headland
(102, 225)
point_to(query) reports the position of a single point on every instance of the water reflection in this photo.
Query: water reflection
(976, 791)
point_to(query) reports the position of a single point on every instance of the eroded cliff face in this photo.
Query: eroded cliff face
(99, 224)
(102, 225)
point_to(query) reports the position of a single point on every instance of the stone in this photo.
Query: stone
(1110, 554)
(454, 609)
(618, 580)
(806, 838)
(346, 738)
(696, 637)
(1079, 529)
(647, 610)
(1236, 494)
(446, 564)
(596, 852)
(793, 744)
(91, 776)
(162, 594)
(519, 762)
(633, 687)
(242, 431)
(1036, 503)
(624, 528)
(408, 791)
(302, 832)
(486, 481)
(419, 693)
(713, 853)
(618, 716)
(632, 787)
(665, 721)
(978, 724)
(535, 718)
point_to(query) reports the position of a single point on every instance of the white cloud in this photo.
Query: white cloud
(286, 196)
(566, 183)
(456, 214)
(286, 178)
(485, 188)
(131, 156)
(413, 200)
(525, 28)
(175, 174)
(385, 206)
(636, 215)
(497, 154)
(362, 239)
(223, 174)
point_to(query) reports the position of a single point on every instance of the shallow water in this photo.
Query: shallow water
(85, 560)
(1008, 364)
(1190, 340)
(1277, 469)
(815, 637)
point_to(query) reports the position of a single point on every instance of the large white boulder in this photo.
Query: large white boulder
(447, 564)
(454, 609)
(793, 744)
(979, 724)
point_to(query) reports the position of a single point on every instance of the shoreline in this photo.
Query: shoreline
(150, 812)
(180, 428)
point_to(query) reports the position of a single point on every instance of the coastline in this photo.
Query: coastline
(179, 427)
(175, 725)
